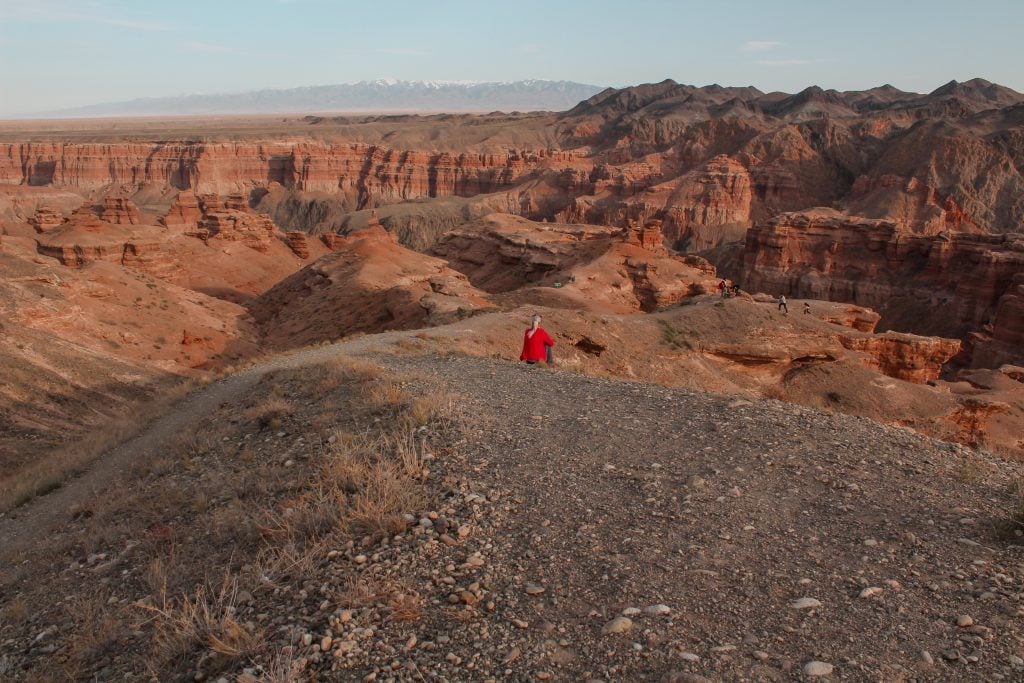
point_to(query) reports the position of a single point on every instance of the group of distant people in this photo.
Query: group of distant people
(728, 288)
(785, 308)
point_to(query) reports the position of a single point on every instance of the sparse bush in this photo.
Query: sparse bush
(268, 412)
(675, 338)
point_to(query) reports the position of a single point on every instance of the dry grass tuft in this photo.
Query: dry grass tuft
(99, 629)
(971, 469)
(386, 395)
(385, 495)
(204, 619)
(16, 611)
(268, 412)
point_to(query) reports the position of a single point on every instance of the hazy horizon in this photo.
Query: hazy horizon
(107, 51)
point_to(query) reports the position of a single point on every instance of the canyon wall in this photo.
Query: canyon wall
(945, 284)
(371, 171)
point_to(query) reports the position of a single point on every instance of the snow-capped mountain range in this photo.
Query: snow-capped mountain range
(382, 95)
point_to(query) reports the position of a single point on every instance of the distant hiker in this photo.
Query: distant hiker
(782, 304)
(807, 308)
(721, 288)
(735, 289)
(537, 344)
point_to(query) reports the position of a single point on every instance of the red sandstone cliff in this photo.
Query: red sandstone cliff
(945, 284)
(224, 168)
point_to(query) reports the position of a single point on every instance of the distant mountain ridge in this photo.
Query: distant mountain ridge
(669, 98)
(383, 95)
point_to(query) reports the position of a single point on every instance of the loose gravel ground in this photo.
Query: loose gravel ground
(593, 529)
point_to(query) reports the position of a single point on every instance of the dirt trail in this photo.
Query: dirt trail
(20, 528)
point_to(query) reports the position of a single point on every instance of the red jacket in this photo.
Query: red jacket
(533, 346)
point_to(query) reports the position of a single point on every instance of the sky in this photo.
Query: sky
(65, 53)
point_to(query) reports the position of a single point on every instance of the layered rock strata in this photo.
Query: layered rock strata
(904, 356)
(298, 243)
(947, 284)
(119, 211)
(46, 219)
(227, 167)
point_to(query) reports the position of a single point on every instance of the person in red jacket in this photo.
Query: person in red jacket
(537, 344)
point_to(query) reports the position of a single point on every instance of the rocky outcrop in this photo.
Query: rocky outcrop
(947, 284)
(369, 283)
(860, 319)
(913, 205)
(184, 213)
(699, 209)
(46, 219)
(332, 240)
(587, 266)
(119, 211)
(298, 243)
(904, 356)
(228, 219)
(1003, 341)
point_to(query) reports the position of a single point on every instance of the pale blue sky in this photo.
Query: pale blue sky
(62, 53)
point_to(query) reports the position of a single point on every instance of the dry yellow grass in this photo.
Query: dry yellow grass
(204, 619)
(51, 470)
(224, 494)
(269, 411)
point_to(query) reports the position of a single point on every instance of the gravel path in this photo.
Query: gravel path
(611, 497)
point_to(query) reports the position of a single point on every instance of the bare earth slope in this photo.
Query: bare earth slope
(761, 536)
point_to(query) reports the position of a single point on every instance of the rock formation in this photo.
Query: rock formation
(595, 267)
(369, 283)
(332, 240)
(119, 211)
(298, 243)
(904, 356)
(947, 284)
(227, 167)
(184, 213)
(46, 219)
(1003, 341)
(84, 238)
(229, 219)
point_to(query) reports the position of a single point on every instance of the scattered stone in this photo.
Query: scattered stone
(657, 610)
(816, 669)
(870, 592)
(534, 589)
(617, 625)
(805, 603)
(684, 677)
(964, 621)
